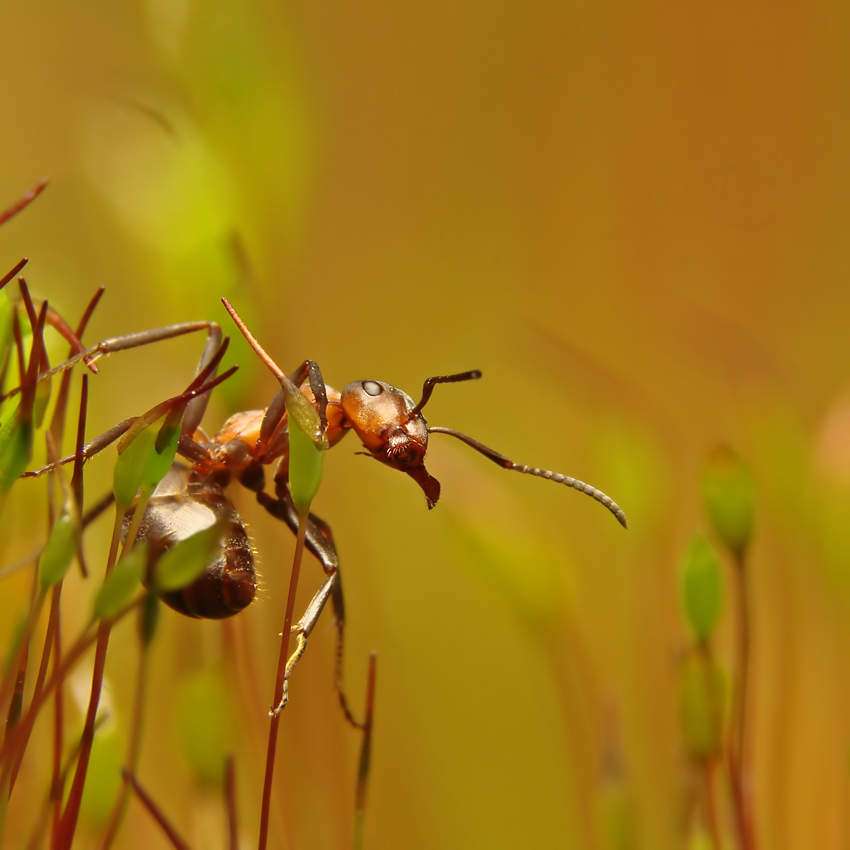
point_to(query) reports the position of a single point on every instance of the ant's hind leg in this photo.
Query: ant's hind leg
(319, 540)
(134, 340)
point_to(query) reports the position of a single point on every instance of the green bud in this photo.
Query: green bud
(121, 584)
(58, 551)
(305, 466)
(148, 618)
(728, 493)
(702, 587)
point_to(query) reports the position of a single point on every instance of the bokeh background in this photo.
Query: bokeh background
(633, 218)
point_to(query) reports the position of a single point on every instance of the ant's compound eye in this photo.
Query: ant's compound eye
(382, 417)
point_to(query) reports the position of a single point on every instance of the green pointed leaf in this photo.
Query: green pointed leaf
(103, 777)
(14, 642)
(305, 467)
(702, 705)
(42, 399)
(130, 468)
(302, 411)
(148, 618)
(729, 497)
(121, 584)
(702, 587)
(5, 325)
(16, 452)
(58, 551)
(142, 464)
(184, 562)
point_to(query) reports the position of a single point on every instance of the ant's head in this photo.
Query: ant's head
(392, 428)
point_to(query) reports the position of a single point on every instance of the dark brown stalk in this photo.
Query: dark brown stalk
(57, 783)
(52, 623)
(230, 803)
(60, 673)
(68, 825)
(25, 200)
(12, 272)
(280, 682)
(365, 758)
(170, 832)
(738, 750)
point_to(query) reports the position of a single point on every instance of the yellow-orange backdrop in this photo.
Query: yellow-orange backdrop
(631, 218)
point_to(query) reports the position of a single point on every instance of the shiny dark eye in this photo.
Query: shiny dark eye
(372, 388)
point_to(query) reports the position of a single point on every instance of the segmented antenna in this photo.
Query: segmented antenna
(430, 383)
(557, 477)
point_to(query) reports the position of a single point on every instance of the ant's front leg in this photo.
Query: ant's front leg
(319, 541)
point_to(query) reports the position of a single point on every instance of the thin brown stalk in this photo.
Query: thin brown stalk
(52, 621)
(230, 802)
(12, 272)
(739, 750)
(59, 675)
(280, 681)
(24, 201)
(7, 687)
(57, 783)
(54, 797)
(147, 801)
(365, 758)
(71, 813)
(743, 825)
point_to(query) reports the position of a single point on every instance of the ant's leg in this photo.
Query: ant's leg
(122, 343)
(196, 408)
(319, 541)
(188, 448)
(98, 444)
(338, 602)
(309, 369)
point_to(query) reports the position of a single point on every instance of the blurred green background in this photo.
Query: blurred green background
(633, 219)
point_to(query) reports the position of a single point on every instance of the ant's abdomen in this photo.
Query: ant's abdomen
(181, 506)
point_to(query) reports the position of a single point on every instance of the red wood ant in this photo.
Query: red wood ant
(390, 425)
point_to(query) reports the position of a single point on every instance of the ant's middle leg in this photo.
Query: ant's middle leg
(319, 541)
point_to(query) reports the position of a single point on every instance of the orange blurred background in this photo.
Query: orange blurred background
(631, 219)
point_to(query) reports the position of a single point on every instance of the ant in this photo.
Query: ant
(191, 497)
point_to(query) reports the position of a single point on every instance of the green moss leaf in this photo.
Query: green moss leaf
(15, 452)
(145, 461)
(121, 584)
(702, 587)
(58, 551)
(103, 777)
(305, 466)
(148, 618)
(728, 494)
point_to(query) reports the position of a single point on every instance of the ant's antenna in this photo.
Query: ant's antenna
(557, 477)
(430, 383)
